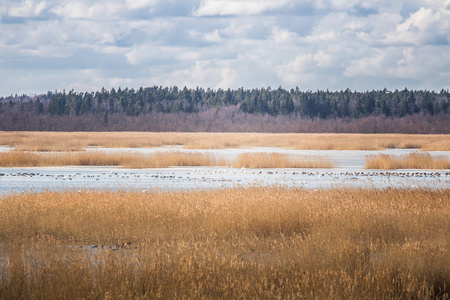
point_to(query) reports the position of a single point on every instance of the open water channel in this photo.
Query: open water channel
(349, 172)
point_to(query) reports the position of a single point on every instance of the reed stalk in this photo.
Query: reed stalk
(414, 160)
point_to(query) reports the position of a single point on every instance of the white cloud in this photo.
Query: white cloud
(422, 27)
(147, 54)
(284, 36)
(349, 5)
(436, 4)
(27, 9)
(137, 4)
(406, 64)
(72, 10)
(45, 51)
(323, 59)
(209, 37)
(372, 65)
(213, 36)
(297, 70)
(250, 27)
(411, 64)
(343, 4)
(238, 8)
(212, 73)
(94, 10)
(216, 43)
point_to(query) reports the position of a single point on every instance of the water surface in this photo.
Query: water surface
(349, 172)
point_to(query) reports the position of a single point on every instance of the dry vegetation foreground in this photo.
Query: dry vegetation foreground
(236, 243)
(74, 141)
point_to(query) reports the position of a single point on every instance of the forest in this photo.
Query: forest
(160, 108)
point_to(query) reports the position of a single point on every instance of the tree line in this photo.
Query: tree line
(264, 101)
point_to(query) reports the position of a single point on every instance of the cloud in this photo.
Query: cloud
(27, 9)
(249, 28)
(237, 8)
(138, 4)
(212, 37)
(335, 44)
(145, 55)
(372, 65)
(284, 36)
(212, 72)
(94, 10)
(425, 26)
(376, 46)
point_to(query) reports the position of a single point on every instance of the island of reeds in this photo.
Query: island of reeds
(45, 141)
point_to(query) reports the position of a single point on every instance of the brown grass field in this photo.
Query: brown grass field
(159, 159)
(243, 243)
(127, 160)
(415, 160)
(74, 141)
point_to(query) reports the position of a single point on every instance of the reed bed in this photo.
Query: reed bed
(374, 142)
(247, 243)
(172, 159)
(160, 159)
(98, 158)
(74, 141)
(414, 160)
(280, 160)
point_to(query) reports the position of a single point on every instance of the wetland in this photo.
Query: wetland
(256, 219)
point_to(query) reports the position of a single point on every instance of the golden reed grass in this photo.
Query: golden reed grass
(128, 160)
(74, 141)
(160, 159)
(414, 160)
(280, 160)
(253, 243)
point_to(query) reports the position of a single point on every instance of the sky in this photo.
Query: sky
(86, 45)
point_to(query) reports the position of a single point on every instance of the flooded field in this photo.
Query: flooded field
(342, 232)
(349, 172)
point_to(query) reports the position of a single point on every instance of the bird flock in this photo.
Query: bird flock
(206, 178)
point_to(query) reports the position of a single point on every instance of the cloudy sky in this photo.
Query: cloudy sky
(313, 44)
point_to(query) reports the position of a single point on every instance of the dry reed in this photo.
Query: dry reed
(414, 160)
(172, 159)
(280, 160)
(159, 159)
(128, 160)
(374, 142)
(73, 141)
(237, 243)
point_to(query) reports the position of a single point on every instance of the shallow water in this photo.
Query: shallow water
(170, 179)
(349, 172)
(6, 149)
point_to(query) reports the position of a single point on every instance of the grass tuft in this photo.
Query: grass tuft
(414, 160)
